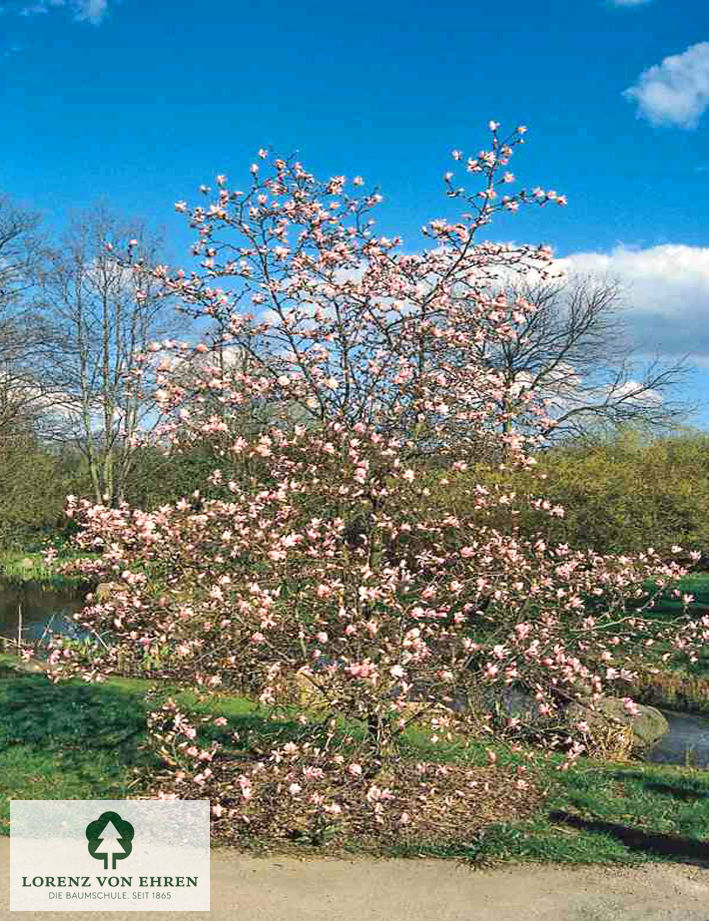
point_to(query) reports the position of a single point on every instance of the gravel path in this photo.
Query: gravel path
(287, 889)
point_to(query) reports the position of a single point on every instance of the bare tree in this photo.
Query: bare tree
(24, 388)
(21, 252)
(575, 353)
(105, 311)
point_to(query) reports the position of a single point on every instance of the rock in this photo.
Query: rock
(512, 703)
(104, 590)
(648, 726)
(13, 669)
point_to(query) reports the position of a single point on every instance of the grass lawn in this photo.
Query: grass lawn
(77, 741)
(697, 584)
(684, 687)
(22, 566)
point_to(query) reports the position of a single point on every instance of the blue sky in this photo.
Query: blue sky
(137, 102)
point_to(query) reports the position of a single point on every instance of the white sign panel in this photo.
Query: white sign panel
(109, 855)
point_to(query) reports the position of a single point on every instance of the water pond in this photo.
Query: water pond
(687, 742)
(33, 608)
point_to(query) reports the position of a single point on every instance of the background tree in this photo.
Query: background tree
(25, 388)
(34, 483)
(622, 491)
(22, 249)
(104, 311)
(574, 350)
(627, 492)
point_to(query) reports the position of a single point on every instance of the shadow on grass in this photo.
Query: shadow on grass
(676, 792)
(89, 739)
(675, 846)
(35, 712)
(689, 787)
(68, 741)
(696, 584)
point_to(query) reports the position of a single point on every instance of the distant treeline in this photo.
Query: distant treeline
(621, 493)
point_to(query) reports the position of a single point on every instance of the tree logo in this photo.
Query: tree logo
(110, 839)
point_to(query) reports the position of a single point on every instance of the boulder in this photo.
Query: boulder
(14, 669)
(648, 726)
(104, 590)
(512, 703)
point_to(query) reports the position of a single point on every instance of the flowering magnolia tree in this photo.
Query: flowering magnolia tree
(345, 394)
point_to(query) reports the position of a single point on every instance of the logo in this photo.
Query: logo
(110, 839)
(109, 855)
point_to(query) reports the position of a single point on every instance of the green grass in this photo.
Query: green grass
(17, 567)
(66, 742)
(696, 583)
(599, 813)
(680, 686)
(86, 741)
(605, 813)
(79, 741)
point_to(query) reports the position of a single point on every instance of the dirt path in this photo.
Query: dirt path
(286, 889)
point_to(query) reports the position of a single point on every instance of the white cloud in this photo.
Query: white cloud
(666, 290)
(41, 6)
(637, 390)
(630, 2)
(92, 11)
(675, 92)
